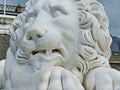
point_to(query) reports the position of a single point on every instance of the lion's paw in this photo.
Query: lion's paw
(103, 79)
(57, 78)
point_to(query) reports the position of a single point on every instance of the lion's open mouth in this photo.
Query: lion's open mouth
(48, 55)
(48, 52)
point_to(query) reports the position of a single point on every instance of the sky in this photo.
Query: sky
(14, 2)
(111, 7)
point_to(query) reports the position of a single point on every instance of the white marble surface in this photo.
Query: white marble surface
(60, 45)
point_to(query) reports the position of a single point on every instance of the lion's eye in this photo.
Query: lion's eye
(57, 13)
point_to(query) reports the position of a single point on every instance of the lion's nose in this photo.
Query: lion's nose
(36, 33)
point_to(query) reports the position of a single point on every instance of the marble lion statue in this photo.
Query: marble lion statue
(60, 45)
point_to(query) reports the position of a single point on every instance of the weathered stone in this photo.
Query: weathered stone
(60, 45)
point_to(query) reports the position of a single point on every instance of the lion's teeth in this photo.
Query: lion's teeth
(48, 52)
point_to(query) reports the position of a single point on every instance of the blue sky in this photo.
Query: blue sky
(14, 2)
(111, 7)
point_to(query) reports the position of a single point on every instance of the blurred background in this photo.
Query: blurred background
(14, 2)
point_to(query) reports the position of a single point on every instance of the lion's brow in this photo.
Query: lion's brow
(60, 6)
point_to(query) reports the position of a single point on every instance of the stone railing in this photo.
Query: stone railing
(11, 10)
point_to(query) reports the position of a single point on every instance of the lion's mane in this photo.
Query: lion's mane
(94, 46)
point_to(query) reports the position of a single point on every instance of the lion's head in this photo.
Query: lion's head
(69, 33)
